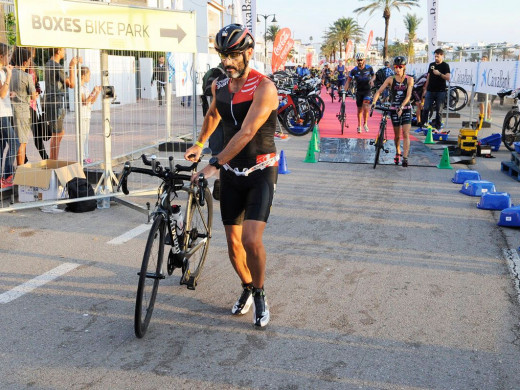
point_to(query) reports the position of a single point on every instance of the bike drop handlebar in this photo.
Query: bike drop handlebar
(383, 107)
(159, 171)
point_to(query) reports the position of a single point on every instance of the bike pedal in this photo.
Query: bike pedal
(386, 150)
(371, 142)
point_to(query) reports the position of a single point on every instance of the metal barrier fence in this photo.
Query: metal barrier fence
(142, 115)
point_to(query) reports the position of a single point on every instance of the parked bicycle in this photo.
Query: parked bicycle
(188, 235)
(380, 141)
(511, 125)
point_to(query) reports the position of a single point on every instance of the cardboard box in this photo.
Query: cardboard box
(45, 180)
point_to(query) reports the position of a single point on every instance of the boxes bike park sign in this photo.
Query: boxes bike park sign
(89, 25)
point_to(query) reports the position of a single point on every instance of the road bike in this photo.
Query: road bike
(187, 236)
(380, 141)
(342, 115)
(511, 125)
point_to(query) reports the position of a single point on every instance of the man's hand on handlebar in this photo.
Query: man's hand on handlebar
(208, 171)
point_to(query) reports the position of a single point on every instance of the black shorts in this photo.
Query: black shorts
(247, 197)
(405, 119)
(362, 96)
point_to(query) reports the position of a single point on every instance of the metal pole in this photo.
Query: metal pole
(194, 97)
(168, 92)
(77, 108)
(448, 107)
(265, 44)
(107, 129)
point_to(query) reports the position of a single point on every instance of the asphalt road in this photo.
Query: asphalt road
(377, 279)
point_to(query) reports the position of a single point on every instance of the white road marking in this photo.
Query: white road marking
(130, 234)
(38, 281)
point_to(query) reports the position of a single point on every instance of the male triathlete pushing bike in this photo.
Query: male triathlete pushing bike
(246, 101)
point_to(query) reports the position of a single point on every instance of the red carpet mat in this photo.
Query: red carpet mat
(330, 127)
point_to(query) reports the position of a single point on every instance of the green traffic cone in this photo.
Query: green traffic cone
(445, 160)
(310, 158)
(315, 142)
(317, 131)
(429, 137)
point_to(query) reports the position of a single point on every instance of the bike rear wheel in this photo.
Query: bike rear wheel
(149, 276)
(197, 236)
(298, 126)
(511, 129)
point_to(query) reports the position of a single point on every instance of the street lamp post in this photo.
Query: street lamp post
(265, 34)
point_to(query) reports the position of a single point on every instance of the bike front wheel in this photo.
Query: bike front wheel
(379, 145)
(197, 237)
(149, 276)
(511, 129)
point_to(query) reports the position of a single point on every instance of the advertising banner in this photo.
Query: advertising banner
(433, 16)
(280, 42)
(183, 74)
(308, 59)
(348, 49)
(248, 8)
(369, 41)
(493, 76)
(488, 76)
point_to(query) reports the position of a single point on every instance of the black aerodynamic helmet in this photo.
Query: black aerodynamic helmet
(400, 60)
(233, 37)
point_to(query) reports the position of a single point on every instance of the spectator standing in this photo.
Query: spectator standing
(37, 119)
(434, 89)
(8, 139)
(56, 85)
(160, 75)
(22, 93)
(87, 99)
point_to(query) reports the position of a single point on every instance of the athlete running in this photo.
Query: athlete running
(246, 101)
(364, 76)
(401, 87)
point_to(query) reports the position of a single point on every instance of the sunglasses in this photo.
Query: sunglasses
(232, 56)
(398, 66)
(360, 60)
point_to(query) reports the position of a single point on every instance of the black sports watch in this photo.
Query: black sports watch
(213, 161)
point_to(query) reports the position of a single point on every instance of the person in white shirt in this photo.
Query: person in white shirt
(87, 99)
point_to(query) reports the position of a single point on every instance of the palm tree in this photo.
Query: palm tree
(272, 30)
(411, 22)
(345, 29)
(328, 49)
(386, 6)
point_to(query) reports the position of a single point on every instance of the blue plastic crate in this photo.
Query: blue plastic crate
(477, 187)
(510, 217)
(440, 136)
(461, 175)
(495, 201)
(494, 140)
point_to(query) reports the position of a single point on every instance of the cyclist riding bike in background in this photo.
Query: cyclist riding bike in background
(246, 101)
(401, 87)
(341, 76)
(381, 75)
(325, 76)
(364, 76)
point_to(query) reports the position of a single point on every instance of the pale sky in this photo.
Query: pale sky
(463, 21)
